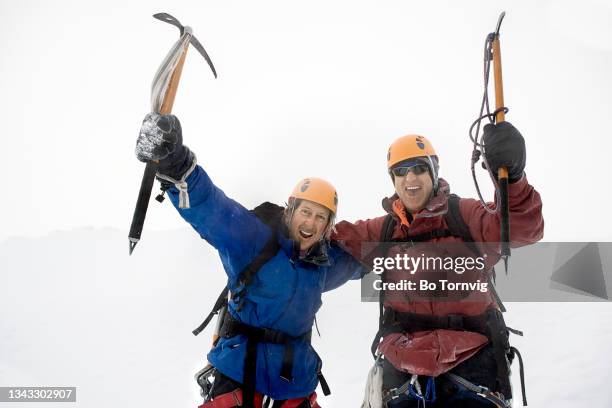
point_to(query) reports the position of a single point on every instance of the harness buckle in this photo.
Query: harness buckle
(203, 378)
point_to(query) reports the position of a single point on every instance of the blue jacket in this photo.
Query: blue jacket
(284, 295)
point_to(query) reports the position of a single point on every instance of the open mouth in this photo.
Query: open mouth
(305, 234)
(412, 190)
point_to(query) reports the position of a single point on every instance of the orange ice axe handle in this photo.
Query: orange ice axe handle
(502, 172)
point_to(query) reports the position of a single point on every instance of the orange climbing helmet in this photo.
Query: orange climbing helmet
(409, 147)
(413, 147)
(318, 191)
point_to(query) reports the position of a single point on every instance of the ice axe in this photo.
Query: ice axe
(492, 53)
(502, 172)
(163, 91)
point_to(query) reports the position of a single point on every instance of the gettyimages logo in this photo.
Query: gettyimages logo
(412, 264)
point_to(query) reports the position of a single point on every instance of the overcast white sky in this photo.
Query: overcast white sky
(305, 88)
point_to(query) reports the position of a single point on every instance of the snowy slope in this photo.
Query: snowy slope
(75, 310)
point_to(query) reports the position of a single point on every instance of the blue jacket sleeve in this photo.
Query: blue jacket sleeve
(342, 269)
(234, 231)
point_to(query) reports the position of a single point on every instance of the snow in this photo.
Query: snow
(76, 310)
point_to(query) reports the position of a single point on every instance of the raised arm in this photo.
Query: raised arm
(234, 231)
(526, 220)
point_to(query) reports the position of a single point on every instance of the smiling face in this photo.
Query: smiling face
(308, 223)
(414, 190)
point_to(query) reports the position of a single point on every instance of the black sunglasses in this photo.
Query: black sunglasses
(417, 169)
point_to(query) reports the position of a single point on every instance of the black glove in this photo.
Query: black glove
(161, 139)
(505, 147)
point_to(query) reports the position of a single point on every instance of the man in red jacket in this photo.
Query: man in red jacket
(446, 350)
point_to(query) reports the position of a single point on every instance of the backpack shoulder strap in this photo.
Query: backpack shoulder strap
(270, 214)
(386, 232)
(219, 304)
(458, 227)
(388, 225)
(267, 252)
(454, 220)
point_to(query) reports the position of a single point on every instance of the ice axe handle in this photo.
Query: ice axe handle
(502, 172)
(166, 107)
(502, 176)
(144, 195)
(500, 115)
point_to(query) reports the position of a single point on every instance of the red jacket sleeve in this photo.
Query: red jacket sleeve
(526, 221)
(354, 237)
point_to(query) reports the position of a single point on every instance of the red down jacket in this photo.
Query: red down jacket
(434, 352)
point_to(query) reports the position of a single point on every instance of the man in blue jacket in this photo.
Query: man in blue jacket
(278, 261)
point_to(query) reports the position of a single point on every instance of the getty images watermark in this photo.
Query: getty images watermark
(406, 267)
(542, 272)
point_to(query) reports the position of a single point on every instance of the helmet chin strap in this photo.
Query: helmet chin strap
(328, 229)
(434, 176)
